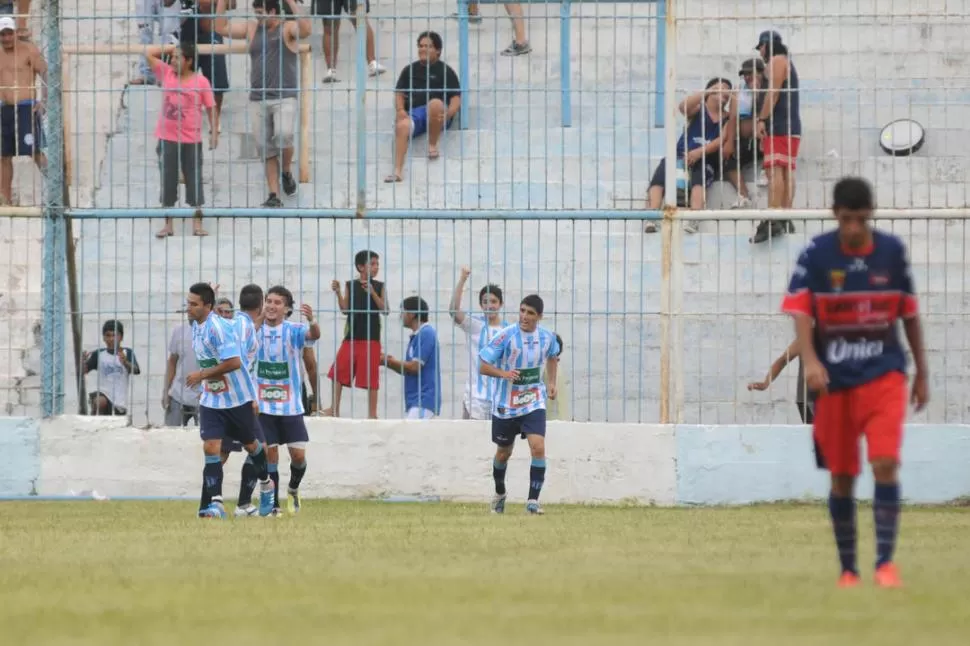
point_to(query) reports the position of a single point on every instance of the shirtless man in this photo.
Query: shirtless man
(21, 132)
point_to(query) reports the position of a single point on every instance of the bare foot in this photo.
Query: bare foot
(200, 232)
(433, 152)
(164, 233)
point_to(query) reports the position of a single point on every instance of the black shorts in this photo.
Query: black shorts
(283, 429)
(505, 430)
(21, 130)
(744, 158)
(703, 173)
(115, 410)
(333, 8)
(238, 424)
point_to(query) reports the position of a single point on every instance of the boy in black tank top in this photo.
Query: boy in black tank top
(364, 301)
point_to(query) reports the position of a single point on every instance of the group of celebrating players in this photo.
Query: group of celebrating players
(848, 291)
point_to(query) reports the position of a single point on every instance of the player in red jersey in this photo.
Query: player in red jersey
(855, 284)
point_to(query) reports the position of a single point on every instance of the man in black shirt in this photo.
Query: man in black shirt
(427, 99)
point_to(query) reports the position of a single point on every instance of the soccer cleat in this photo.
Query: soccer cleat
(248, 510)
(498, 504)
(887, 576)
(534, 508)
(214, 510)
(266, 498)
(293, 501)
(849, 580)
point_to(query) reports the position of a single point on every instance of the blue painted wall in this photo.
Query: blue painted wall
(745, 464)
(20, 455)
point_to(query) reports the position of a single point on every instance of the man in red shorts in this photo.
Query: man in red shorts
(359, 357)
(779, 129)
(855, 284)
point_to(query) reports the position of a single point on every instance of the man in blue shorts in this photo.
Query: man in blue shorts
(516, 357)
(279, 376)
(226, 408)
(427, 98)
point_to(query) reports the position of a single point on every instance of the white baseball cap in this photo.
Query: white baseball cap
(7, 23)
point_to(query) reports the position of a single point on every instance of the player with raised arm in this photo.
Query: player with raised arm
(477, 399)
(226, 405)
(855, 284)
(279, 377)
(516, 357)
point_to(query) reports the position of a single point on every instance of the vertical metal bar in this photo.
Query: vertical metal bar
(361, 15)
(52, 354)
(660, 61)
(565, 47)
(463, 65)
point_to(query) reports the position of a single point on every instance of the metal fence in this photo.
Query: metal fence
(540, 185)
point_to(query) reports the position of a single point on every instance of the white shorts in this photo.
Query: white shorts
(476, 408)
(419, 413)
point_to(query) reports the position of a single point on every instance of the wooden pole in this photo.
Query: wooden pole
(306, 69)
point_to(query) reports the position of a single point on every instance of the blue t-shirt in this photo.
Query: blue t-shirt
(423, 390)
(856, 300)
(701, 130)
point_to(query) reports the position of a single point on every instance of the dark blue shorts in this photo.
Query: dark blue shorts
(283, 429)
(419, 121)
(505, 430)
(234, 426)
(21, 130)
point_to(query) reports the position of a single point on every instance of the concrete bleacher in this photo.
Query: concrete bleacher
(857, 74)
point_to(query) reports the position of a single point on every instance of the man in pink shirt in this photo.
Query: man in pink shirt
(186, 94)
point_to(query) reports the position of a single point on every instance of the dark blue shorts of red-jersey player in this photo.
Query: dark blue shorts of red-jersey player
(856, 299)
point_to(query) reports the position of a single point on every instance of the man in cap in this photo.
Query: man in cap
(741, 146)
(779, 128)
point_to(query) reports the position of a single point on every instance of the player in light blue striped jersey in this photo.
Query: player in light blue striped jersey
(246, 322)
(279, 377)
(477, 400)
(516, 357)
(226, 407)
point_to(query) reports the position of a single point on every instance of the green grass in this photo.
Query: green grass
(445, 575)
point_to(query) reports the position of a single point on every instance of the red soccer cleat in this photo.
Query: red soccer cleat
(849, 580)
(887, 576)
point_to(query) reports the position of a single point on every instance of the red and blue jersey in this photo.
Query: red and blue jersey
(856, 299)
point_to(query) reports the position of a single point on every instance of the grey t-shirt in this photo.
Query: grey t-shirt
(180, 346)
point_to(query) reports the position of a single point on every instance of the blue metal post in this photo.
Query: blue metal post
(361, 15)
(660, 73)
(565, 48)
(463, 66)
(54, 267)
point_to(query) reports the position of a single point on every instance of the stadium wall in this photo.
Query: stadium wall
(446, 459)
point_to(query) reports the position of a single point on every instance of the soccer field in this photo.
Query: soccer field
(375, 573)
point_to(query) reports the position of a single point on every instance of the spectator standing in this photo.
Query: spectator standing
(21, 129)
(427, 99)
(225, 308)
(780, 131)
(420, 367)
(520, 44)
(180, 401)
(155, 18)
(199, 29)
(741, 142)
(114, 364)
(330, 11)
(358, 360)
(274, 83)
(186, 94)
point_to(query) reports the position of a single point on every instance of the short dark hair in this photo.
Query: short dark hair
(113, 326)
(716, 80)
(269, 6)
(535, 302)
(250, 297)
(852, 193)
(434, 37)
(491, 288)
(188, 51)
(363, 257)
(416, 305)
(205, 292)
(279, 290)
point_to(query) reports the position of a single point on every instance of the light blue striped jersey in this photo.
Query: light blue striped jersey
(213, 342)
(279, 368)
(527, 352)
(478, 388)
(248, 339)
